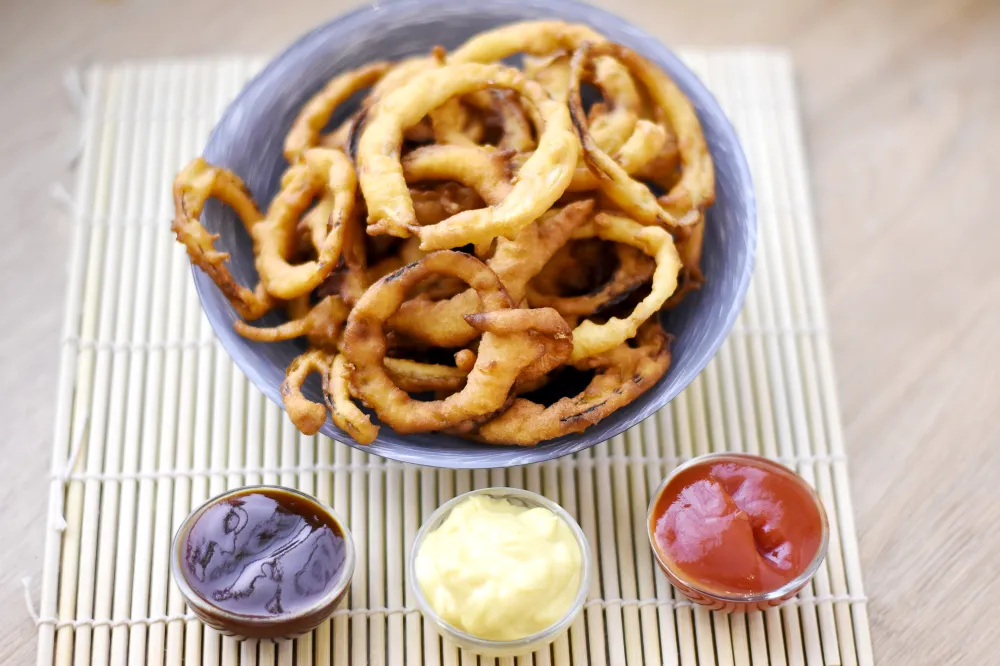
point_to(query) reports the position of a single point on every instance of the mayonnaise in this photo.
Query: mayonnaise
(500, 571)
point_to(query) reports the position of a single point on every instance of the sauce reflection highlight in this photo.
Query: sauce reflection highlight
(265, 553)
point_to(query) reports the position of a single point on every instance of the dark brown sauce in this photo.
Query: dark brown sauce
(265, 553)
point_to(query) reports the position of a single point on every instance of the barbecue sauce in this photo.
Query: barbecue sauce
(265, 553)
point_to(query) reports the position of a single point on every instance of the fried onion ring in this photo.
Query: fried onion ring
(306, 129)
(308, 416)
(696, 189)
(552, 73)
(543, 38)
(514, 262)
(590, 338)
(321, 172)
(452, 124)
(321, 325)
(541, 182)
(500, 360)
(634, 268)
(193, 186)
(481, 169)
(343, 411)
(642, 147)
(689, 249)
(416, 377)
(623, 374)
(544, 324)
(515, 127)
(340, 137)
(441, 202)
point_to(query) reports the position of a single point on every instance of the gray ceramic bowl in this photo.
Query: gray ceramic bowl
(249, 139)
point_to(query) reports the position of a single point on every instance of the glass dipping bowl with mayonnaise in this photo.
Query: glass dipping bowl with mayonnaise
(500, 571)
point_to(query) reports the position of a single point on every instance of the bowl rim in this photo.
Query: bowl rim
(788, 588)
(324, 605)
(545, 635)
(713, 338)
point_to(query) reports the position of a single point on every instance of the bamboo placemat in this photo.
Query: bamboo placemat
(153, 418)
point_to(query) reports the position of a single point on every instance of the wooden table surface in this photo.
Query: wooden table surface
(901, 103)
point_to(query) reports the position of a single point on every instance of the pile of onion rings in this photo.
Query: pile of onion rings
(473, 238)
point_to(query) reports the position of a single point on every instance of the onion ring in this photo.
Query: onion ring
(450, 124)
(305, 131)
(623, 374)
(482, 169)
(441, 202)
(642, 147)
(543, 38)
(696, 189)
(416, 377)
(321, 171)
(542, 180)
(663, 169)
(575, 267)
(551, 72)
(308, 416)
(634, 268)
(193, 186)
(544, 324)
(515, 126)
(321, 325)
(343, 411)
(689, 249)
(340, 137)
(500, 359)
(514, 262)
(590, 338)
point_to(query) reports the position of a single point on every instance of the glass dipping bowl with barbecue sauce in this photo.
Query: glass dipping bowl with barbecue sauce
(737, 532)
(263, 562)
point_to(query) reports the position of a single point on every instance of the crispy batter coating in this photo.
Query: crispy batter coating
(194, 185)
(500, 358)
(515, 263)
(322, 173)
(343, 411)
(542, 179)
(321, 325)
(308, 416)
(307, 128)
(590, 338)
(695, 190)
(622, 375)
(634, 269)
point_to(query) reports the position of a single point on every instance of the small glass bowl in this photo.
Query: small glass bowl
(520, 646)
(738, 603)
(243, 627)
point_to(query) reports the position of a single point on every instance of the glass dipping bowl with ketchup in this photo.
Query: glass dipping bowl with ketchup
(737, 532)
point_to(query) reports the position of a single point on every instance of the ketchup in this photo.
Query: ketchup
(737, 525)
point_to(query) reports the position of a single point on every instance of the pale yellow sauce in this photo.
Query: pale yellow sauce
(499, 571)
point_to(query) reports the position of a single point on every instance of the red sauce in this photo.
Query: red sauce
(737, 525)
